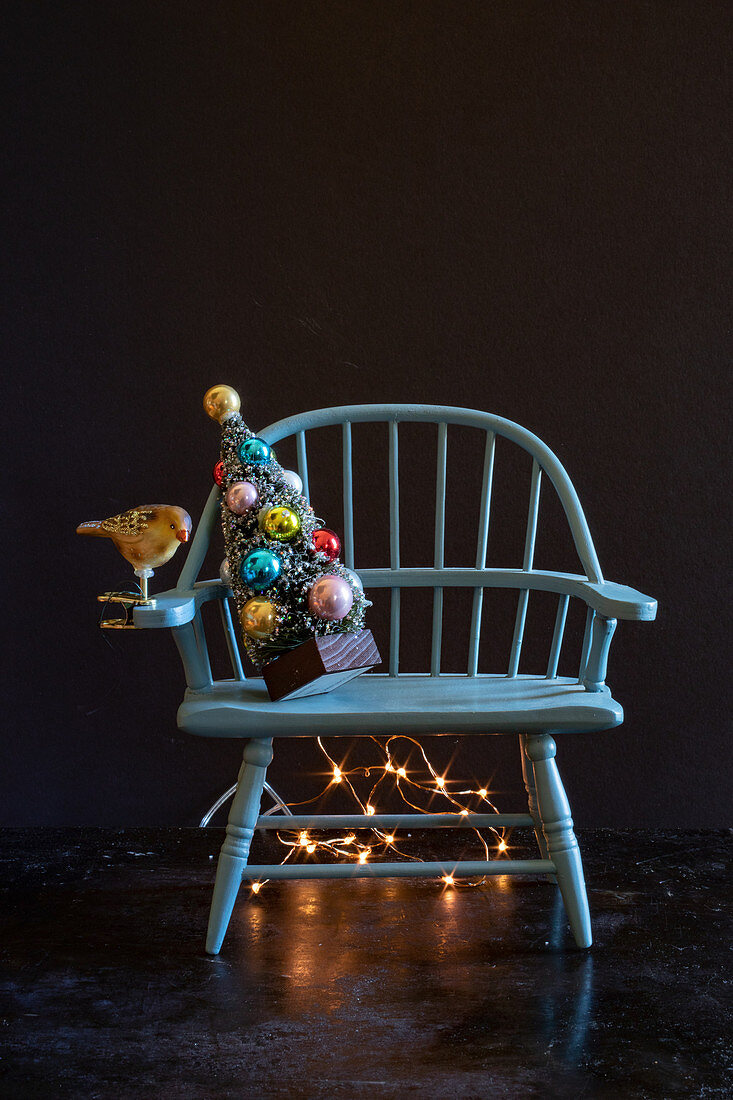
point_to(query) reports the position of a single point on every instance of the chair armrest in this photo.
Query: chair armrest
(612, 601)
(176, 607)
(617, 601)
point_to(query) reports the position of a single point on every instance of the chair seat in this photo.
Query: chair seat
(377, 704)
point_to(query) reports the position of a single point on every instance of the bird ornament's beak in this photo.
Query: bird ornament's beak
(182, 535)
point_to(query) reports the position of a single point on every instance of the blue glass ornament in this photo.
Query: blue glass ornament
(254, 452)
(260, 569)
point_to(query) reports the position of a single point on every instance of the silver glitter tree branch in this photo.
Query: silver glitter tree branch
(302, 565)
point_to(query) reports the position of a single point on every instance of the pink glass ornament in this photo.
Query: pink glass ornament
(241, 496)
(330, 598)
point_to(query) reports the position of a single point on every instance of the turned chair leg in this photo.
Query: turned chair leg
(235, 849)
(557, 825)
(530, 788)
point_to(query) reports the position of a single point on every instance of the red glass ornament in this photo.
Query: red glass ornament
(327, 542)
(218, 473)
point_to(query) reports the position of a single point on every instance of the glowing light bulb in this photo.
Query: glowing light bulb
(370, 809)
(483, 792)
(402, 772)
(256, 887)
(303, 839)
(502, 845)
(449, 880)
(363, 856)
(310, 848)
(388, 768)
(439, 781)
(464, 813)
(337, 775)
(349, 839)
(389, 840)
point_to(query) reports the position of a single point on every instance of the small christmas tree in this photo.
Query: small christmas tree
(283, 567)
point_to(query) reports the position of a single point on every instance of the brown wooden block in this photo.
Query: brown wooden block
(320, 665)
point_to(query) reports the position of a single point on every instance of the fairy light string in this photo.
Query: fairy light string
(407, 782)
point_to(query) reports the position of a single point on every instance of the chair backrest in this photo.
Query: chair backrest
(437, 576)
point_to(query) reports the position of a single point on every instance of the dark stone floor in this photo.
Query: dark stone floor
(360, 989)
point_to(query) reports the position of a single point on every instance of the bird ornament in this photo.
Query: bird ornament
(147, 536)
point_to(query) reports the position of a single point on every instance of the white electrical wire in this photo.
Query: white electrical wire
(278, 804)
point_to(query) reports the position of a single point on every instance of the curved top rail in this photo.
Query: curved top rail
(472, 418)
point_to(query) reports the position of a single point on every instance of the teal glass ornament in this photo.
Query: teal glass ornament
(260, 569)
(254, 452)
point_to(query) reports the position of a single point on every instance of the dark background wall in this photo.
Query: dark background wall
(518, 207)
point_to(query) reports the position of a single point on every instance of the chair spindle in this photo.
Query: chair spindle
(557, 637)
(348, 497)
(394, 632)
(231, 639)
(527, 561)
(516, 650)
(439, 551)
(483, 540)
(534, 507)
(394, 547)
(302, 463)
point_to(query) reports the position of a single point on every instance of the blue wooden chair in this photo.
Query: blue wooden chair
(533, 707)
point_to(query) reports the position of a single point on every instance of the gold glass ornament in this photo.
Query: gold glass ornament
(259, 617)
(220, 402)
(280, 523)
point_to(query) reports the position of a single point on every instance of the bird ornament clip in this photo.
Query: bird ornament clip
(147, 537)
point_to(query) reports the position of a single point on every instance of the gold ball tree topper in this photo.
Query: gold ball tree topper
(220, 402)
